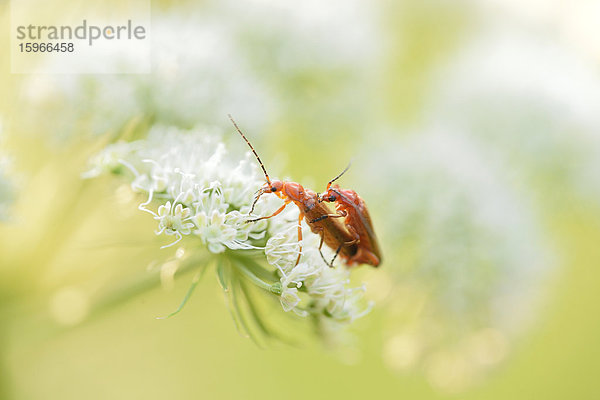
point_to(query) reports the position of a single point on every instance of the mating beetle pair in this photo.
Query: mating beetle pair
(353, 239)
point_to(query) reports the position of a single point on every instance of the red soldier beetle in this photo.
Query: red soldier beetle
(348, 204)
(332, 231)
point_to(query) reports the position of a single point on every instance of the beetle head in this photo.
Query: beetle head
(331, 195)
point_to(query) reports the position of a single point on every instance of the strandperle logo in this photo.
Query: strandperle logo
(84, 31)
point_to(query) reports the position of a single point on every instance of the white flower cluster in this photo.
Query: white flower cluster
(312, 286)
(203, 194)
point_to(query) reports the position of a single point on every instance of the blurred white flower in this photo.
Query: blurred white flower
(469, 251)
(7, 190)
(222, 72)
(574, 22)
(533, 104)
(6, 194)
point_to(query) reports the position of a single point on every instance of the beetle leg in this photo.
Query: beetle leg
(274, 214)
(350, 243)
(322, 217)
(354, 233)
(299, 238)
(335, 255)
(322, 234)
(260, 193)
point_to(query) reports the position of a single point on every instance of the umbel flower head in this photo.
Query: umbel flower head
(201, 198)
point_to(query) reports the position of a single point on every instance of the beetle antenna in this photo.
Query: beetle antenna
(339, 176)
(251, 148)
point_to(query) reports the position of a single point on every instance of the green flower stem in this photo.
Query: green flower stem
(273, 288)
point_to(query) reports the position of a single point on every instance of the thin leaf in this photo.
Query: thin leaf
(260, 322)
(255, 313)
(238, 306)
(223, 275)
(195, 281)
(224, 278)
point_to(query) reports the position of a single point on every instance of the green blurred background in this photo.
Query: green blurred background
(512, 85)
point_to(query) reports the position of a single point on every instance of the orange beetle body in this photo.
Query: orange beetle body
(333, 232)
(348, 204)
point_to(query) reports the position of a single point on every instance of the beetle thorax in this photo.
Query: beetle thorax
(293, 190)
